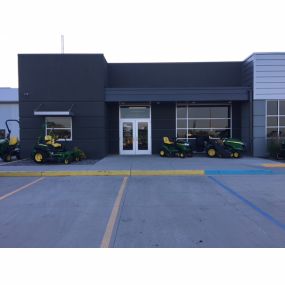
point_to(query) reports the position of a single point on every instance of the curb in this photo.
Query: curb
(65, 173)
(101, 173)
(274, 165)
(193, 172)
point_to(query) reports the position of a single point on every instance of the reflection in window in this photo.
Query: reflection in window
(194, 121)
(60, 127)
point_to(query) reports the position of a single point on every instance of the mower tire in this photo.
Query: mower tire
(39, 157)
(236, 154)
(162, 153)
(211, 152)
(7, 157)
(182, 155)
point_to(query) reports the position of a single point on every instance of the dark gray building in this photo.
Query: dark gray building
(126, 108)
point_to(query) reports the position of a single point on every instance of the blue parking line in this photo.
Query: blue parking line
(238, 172)
(250, 204)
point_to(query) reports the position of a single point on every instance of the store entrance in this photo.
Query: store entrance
(135, 130)
(135, 136)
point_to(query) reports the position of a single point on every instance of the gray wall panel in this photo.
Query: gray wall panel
(259, 147)
(57, 81)
(269, 81)
(163, 123)
(259, 121)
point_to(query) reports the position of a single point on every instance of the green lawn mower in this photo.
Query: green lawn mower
(10, 146)
(178, 148)
(225, 148)
(48, 149)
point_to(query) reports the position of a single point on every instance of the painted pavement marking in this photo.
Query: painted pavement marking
(114, 215)
(21, 188)
(249, 203)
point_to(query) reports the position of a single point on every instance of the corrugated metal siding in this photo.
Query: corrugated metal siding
(9, 94)
(269, 76)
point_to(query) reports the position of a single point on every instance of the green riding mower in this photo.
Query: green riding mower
(225, 148)
(178, 148)
(9, 146)
(48, 149)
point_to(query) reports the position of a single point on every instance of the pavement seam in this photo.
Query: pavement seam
(105, 243)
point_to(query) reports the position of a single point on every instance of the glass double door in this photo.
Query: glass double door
(135, 136)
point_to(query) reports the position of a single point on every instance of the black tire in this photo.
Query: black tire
(18, 156)
(162, 153)
(190, 154)
(39, 157)
(211, 152)
(236, 154)
(7, 157)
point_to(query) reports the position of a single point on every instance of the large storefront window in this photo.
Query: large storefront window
(61, 127)
(193, 121)
(275, 119)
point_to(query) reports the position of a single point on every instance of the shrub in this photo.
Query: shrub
(274, 147)
(79, 153)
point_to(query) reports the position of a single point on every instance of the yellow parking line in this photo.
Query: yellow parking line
(167, 172)
(274, 165)
(21, 188)
(114, 215)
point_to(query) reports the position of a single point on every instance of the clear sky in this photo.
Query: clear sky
(139, 31)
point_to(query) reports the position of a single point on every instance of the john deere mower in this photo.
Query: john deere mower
(179, 149)
(225, 148)
(48, 149)
(9, 146)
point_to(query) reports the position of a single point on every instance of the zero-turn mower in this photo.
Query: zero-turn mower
(48, 149)
(9, 146)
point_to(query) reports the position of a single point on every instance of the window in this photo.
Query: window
(193, 121)
(60, 127)
(275, 119)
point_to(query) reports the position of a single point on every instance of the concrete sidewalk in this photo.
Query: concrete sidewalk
(145, 165)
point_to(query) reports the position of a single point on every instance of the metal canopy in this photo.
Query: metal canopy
(53, 110)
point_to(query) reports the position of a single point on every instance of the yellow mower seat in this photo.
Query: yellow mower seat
(13, 141)
(167, 141)
(50, 141)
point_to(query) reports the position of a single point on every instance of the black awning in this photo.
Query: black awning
(53, 109)
(177, 94)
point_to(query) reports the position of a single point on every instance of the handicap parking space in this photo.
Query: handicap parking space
(58, 212)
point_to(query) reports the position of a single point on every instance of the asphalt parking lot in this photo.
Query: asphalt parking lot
(143, 211)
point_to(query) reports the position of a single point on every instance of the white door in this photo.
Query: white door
(135, 136)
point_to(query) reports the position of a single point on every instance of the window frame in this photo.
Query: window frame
(60, 139)
(278, 127)
(187, 105)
